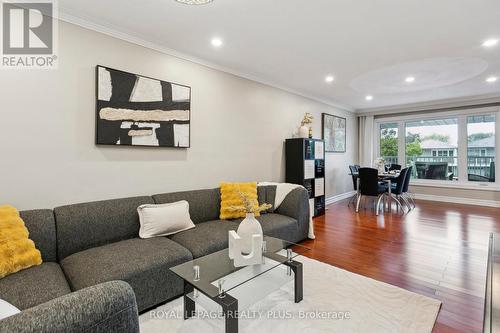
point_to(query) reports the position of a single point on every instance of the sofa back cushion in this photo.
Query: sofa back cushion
(266, 194)
(204, 205)
(42, 228)
(86, 225)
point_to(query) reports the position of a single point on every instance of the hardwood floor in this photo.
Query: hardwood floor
(438, 250)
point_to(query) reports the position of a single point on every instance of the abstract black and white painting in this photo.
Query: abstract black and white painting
(334, 133)
(135, 110)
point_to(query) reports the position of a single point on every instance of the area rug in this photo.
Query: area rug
(335, 300)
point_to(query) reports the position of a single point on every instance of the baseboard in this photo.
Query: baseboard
(427, 197)
(339, 197)
(458, 200)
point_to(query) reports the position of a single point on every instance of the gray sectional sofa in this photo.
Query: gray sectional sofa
(97, 274)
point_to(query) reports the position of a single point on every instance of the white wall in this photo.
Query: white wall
(238, 129)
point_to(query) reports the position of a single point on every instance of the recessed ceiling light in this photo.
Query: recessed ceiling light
(490, 42)
(369, 97)
(217, 42)
(492, 79)
(409, 79)
(194, 2)
(329, 79)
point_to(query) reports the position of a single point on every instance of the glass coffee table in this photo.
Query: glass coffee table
(234, 288)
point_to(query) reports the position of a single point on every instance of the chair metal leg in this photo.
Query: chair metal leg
(410, 195)
(377, 208)
(352, 200)
(357, 203)
(399, 205)
(406, 202)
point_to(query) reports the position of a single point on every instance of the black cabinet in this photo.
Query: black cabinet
(305, 165)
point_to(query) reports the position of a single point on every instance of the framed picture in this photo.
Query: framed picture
(334, 133)
(135, 110)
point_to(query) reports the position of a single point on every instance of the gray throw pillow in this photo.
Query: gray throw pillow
(266, 194)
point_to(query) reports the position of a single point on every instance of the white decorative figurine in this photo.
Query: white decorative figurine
(245, 245)
(236, 250)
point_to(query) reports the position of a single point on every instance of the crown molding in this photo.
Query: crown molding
(446, 104)
(113, 32)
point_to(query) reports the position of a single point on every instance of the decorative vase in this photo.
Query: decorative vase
(248, 227)
(381, 169)
(303, 132)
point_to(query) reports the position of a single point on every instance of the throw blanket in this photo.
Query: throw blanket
(282, 190)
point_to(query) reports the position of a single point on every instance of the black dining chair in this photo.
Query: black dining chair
(420, 169)
(394, 167)
(406, 195)
(437, 170)
(492, 172)
(477, 178)
(354, 175)
(397, 189)
(369, 186)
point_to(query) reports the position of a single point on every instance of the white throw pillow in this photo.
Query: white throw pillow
(165, 219)
(7, 309)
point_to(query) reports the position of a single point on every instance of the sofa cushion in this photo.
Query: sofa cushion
(106, 308)
(33, 286)
(143, 263)
(267, 194)
(86, 225)
(42, 228)
(296, 206)
(279, 226)
(204, 205)
(206, 238)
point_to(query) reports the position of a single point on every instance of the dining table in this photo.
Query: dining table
(387, 177)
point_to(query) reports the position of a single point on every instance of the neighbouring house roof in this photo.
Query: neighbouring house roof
(435, 144)
(483, 143)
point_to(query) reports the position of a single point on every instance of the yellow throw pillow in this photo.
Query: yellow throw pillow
(230, 196)
(17, 251)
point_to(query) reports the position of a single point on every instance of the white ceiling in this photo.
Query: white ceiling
(369, 46)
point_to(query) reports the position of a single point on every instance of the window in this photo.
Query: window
(481, 148)
(389, 142)
(426, 137)
(455, 149)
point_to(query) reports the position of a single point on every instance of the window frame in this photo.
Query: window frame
(378, 137)
(462, 150)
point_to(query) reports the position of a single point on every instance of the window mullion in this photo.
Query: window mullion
(497, 147)
(401, 144)
(462, 148)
